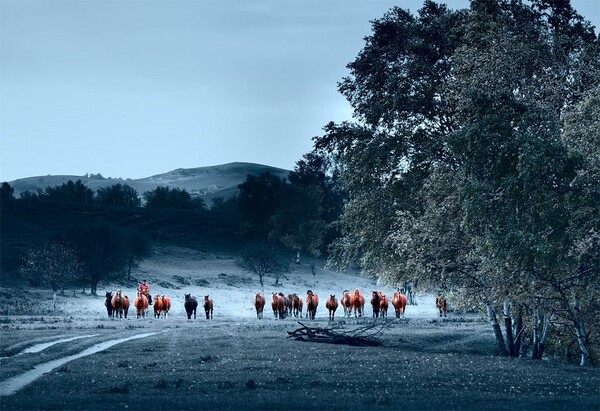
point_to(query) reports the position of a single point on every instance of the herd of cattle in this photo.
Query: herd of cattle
(292, 304)
(117, 305)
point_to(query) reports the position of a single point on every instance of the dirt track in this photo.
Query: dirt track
(250, 364)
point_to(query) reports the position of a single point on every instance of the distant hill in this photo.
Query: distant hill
(204, 182)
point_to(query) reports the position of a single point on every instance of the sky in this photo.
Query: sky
(132, 88)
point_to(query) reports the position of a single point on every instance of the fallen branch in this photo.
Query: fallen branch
(362, 336)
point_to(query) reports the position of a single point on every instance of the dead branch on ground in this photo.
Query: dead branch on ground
(362, 336)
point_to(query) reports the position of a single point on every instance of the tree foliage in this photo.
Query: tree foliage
(263, 261)
(102, 250)
(7, 196)
(473, 164)
(75, 192)
(55, 264)
(165, 197)
(121, 195)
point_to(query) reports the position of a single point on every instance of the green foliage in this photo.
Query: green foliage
(165, 197)
(7, 196)
(260, 196)
(76, 192)
(53, 263)
(474, 162)
(121, 195)
(102, 249)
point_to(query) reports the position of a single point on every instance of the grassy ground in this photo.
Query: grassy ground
(241, 364)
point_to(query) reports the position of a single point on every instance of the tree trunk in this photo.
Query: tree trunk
(54, 300)
(260, 278)
(581, 335)
(546, 321)
(497, 330)
(508, 326)
(93, 287)
(536, 338)
(518, 332)
(413, 292)
(578, 324)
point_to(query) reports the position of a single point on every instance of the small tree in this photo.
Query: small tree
(263, 261)
(54, 264)
(118, 195)
(6, 195)
(103, 251)
(138, 247)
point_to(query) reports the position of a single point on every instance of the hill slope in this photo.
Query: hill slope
(206, 182)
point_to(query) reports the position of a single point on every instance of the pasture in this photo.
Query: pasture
(236, 361)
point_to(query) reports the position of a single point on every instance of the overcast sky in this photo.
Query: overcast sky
(132, 88)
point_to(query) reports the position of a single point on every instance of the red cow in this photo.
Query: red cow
(140, 303)
(158, 306)
(312, 302)
(259, 303)
(331, 304)
(358, 302)
(399, 302)
(208, 307)
(383, 304)
(441, 304)
(375, 298)
(278, 305)
(166, 306)
(297, 305)
(346, 303)
(289, 304)
(120, 304)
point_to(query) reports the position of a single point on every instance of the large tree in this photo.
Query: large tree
(459, 170)
(260, 196)
(102, 249)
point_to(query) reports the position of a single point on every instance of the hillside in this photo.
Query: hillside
(205, 182)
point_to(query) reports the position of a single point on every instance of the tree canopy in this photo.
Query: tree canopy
(471, 164)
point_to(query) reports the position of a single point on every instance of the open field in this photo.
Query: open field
(236, 361)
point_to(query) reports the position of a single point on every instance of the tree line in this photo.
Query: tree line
(272, 214)
(116, 195)
(473, 165)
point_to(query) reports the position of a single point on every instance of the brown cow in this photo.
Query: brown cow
(375, 298)
(208, 307)
(259, 303)
(120, 304)
(358, 302)
(312, 302)
(278, 305)
(297, 305)
(399, 301)
(166, 306)
(346, 303)
(140, 303)
(441, 304)
(158, 305)
(289, 304)
(331, 304)
(383, 304)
